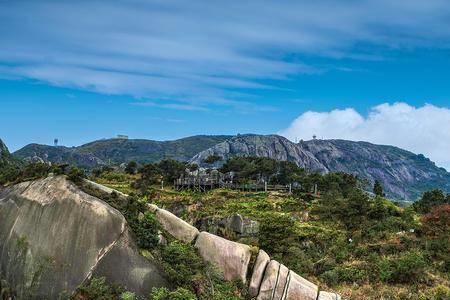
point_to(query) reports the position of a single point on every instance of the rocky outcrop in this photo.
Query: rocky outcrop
(230, 257)
(298, 288)
(236, 224)
(175, 226)
(272, 146)
(270, 280)
(328, 296)
(54, 237)
(259, 268)
(404, 175)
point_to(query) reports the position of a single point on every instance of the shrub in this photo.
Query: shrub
(76, 175)
(98, 289)
(181, 263)
(178, 294)
(146, 231)
(431, 199)
(408, 267)
(131, 167)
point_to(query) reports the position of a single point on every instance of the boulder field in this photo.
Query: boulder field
(54, 237)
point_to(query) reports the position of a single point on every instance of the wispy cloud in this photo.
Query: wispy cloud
(202, 51)
(170, 106)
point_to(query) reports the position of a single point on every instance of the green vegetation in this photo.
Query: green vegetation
(378, 189)
(344, 240)
(97, 289)
(192, 276)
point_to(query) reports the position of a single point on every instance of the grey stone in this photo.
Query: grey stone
(229, 257)
(175, 226)
(269, 281)
(152, 207)
(300, 289)
(328, 296)
(50, 224)
(282, 281)
(261, 263)
(237, 223)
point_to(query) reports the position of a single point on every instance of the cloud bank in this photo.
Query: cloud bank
(202, 52)
(418, 129)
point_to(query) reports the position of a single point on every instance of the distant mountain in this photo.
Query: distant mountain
(5, 157)
(403, 174)
(117, 151)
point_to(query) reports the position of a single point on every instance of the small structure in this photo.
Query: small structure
(203, 180)
(122, 137)
(55, 142)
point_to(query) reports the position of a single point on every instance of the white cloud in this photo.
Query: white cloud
(423, 129)
(195, 51)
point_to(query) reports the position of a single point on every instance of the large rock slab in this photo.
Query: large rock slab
(229, 257)
(54, 237)
(328, 296)
(261, 263)
(300, 289)
(269, 282)
(175, 226)
(282, 282)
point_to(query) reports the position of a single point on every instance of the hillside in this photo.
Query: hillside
(5, 156)
(403, 174)
(117, 151)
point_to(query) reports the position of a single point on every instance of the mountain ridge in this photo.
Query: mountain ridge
(117, 151)
(403, 174)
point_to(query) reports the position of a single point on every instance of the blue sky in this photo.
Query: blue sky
(168, 69)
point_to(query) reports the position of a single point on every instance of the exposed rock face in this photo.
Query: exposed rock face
(261, 263)
(282, 281)
(178, 228)
(238, 225)
(404, 175)
(328, 296)
(272, 146)
(230, 257)
(269, 282)
(53, 237)
(299, 288)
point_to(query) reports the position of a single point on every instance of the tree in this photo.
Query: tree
(131, 168)
(378, 189)
(212, 159)
(76, 175)
(431, 199)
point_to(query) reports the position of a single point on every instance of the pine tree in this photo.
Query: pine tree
(378, 189)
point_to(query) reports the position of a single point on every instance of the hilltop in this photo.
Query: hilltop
(118, 151)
